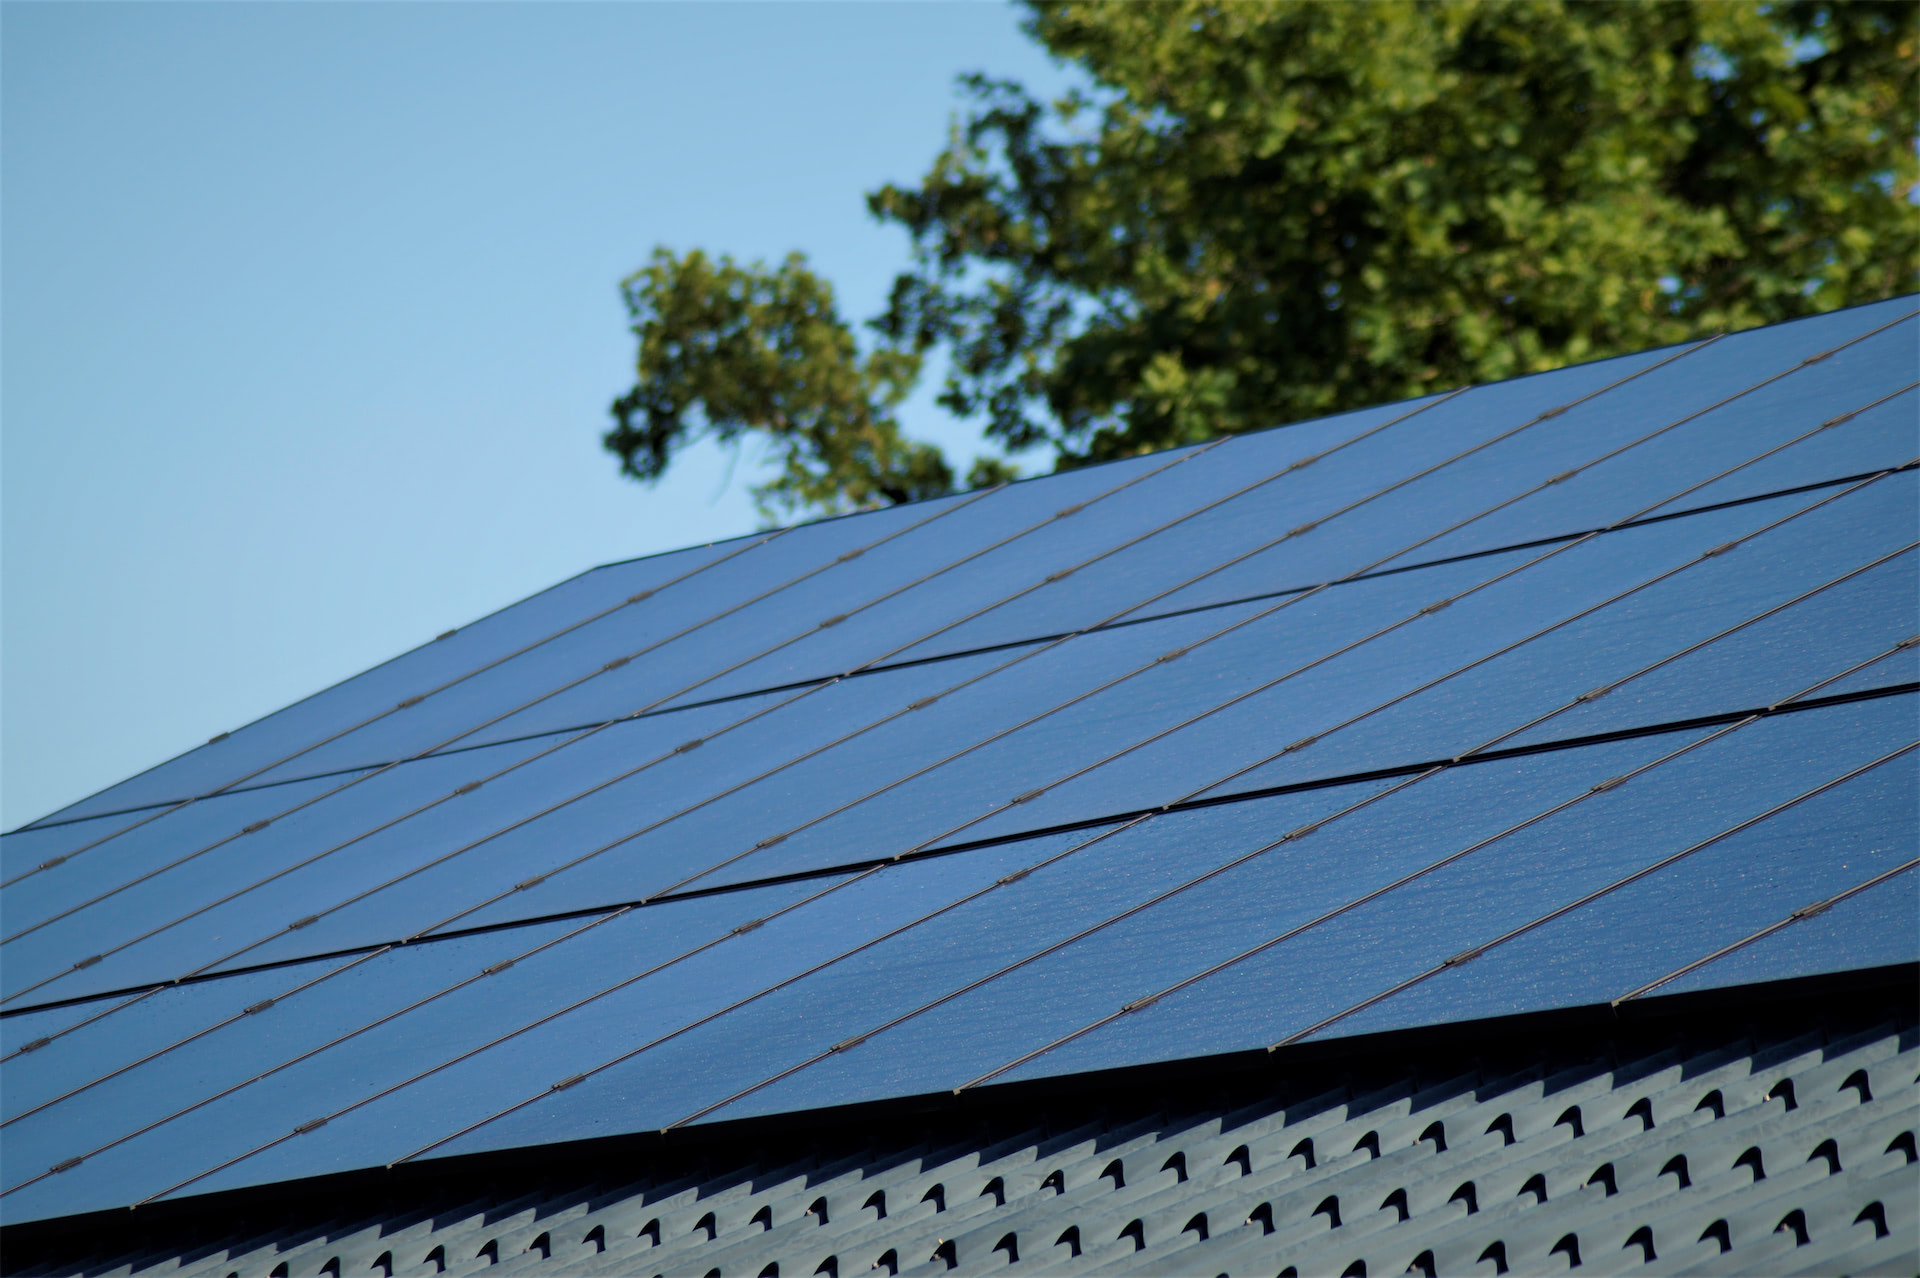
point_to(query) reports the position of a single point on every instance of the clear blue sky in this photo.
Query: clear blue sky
(310, 318)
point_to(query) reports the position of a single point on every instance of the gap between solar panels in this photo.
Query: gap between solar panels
(607, 909)
(1694, 488)
(862, 1038)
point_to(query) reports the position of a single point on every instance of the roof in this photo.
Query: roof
(1583, 689)
(1783, 1146)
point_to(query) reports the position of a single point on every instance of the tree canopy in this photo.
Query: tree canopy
(1260, 213)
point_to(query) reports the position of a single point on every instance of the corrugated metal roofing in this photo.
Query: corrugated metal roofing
(1709, 1150)
(1591, 686)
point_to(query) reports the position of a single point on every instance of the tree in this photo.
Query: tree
(1266, 212)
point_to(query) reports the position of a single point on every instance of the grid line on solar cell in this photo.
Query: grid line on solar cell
(1319, 920)
(1797, 916)
(1137, 1003)
(394, 709)
(1590, 897)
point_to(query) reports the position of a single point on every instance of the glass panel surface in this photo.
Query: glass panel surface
(97, 846)
(1479, 705)
(1791, 651)
(1328, 969)
(438, 1029)
(1870, 930)
(205, 870)
(1711, 899)
(1047, 906)
(1884, 435)
(321, 998)
(1902, 669)
(929, 620)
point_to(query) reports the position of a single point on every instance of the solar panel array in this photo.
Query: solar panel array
(1592, 686)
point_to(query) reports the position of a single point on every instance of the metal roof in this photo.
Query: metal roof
(1786, 1148)
(1586, 688)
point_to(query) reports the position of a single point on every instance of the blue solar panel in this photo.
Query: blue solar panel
(1322, 972)
(1249, 739)
(1872, 928)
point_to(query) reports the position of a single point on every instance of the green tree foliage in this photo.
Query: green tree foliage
(1260, 213)
(759, 349)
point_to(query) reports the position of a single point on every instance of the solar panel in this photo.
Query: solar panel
(1594, 685)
